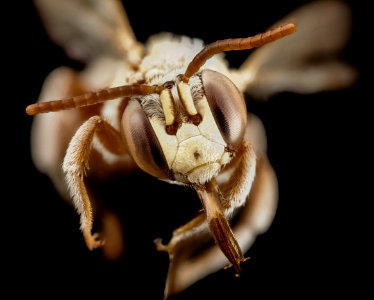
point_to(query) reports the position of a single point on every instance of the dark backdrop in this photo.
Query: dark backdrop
(316, 144)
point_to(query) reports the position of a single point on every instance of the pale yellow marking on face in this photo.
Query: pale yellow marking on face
(167, 106)
(169, 143)
(186, 131)
(195, 153)
(186, 98)
(208, 127)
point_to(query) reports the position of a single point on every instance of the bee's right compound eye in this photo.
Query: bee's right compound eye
(142, 142)
(227, 105)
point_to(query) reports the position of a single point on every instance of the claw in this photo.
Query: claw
(229, 265)
(160, 246)
(93, 241)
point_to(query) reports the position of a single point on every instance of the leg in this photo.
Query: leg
(255, 218)
(183, 270)
(51, 134)
(75, 166)
(236, 182)
(219, 205)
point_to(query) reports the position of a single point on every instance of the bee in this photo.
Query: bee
(175, 110)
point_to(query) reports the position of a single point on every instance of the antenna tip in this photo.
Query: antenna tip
(30, 110)
(289, 28)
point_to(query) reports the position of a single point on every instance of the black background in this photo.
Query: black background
(316, 145)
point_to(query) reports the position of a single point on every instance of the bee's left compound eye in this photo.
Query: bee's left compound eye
(227, 105)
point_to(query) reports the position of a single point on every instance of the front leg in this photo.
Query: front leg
(220, 206)
(75, 166)
(235, 186)
(219, 227)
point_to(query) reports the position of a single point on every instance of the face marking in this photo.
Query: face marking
(185, 160)
(186, 131)
(196, 153)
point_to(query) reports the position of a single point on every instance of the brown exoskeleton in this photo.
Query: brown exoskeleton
(179, 114)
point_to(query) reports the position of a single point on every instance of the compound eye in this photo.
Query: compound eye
(142, 142)
(227, 105)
